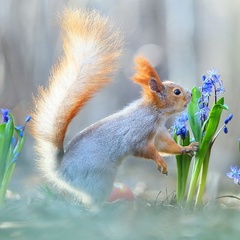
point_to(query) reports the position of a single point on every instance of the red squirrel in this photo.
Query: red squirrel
(87, 166)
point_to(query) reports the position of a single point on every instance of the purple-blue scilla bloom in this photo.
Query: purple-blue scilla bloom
(228, 119)
(180, 126)
(212, 82)
(5, 116)
(225, 129)
(203, 112)
(220, 89)
(213, 73)
(207, 86)
(20, 129)
(235, 174)
(15, 157)
(28, 118)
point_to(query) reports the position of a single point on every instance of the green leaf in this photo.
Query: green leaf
(211, 127)
(20, 142)
(6, 135)
(193, 109)
(2, 151)
(224, 106)
(213, 120)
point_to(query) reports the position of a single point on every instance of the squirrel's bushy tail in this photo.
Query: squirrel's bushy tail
(92, 48)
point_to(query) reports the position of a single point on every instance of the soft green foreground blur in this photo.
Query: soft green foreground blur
(57, 220)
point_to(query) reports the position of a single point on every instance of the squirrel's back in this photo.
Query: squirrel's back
(92, 48)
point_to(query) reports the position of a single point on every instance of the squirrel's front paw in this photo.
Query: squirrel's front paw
(193, 147)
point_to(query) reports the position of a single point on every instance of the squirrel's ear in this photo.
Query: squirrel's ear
(155, 86)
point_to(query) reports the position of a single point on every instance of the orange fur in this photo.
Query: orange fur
(92, 48)
(145, 72)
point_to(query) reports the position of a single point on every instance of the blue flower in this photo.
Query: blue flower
(15, 157)
(220, 89)
(215, 78)
(204, 78)
(28, 118)
(207, 87)
(20, 129)
(225, 129)
(213, 73)
(5, 116)
(180, 126)
(212, 82)
(203, 112)
(228, 119)
(235, 174)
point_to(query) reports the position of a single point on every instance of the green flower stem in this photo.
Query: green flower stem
(203, 177)
(10, 165)
(6, 179)
(195, 175)
(179, 173)
(179, 178)
(186, 160)
(183, 164)
(3, 191)
(182, 175)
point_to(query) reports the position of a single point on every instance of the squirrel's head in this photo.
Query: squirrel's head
(174, 97)
(167, 95)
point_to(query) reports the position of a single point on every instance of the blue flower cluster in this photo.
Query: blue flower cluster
(180, 126)
(235, 174)
(5, 118)
(211, 83)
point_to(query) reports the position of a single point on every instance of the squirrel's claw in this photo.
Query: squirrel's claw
(162, 169)
(194, 146)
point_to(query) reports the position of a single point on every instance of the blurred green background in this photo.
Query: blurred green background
(182, 39)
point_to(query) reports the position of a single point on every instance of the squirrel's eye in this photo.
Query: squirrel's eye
(177, 91)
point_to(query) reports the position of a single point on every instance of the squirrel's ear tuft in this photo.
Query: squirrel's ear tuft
(155, 87)
(145, 72)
